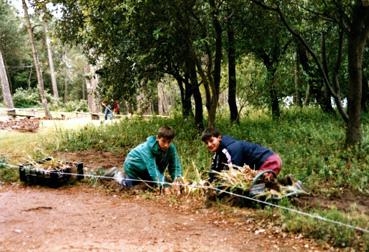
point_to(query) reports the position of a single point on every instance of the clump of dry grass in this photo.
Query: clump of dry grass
(236, 177)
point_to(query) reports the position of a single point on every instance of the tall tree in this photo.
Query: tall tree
(36, 62)
(50, 58)
(45, 18)
(268, 45)
(8, 100)
(91, 86)
(231, 53)
(358, 31)
(352, 20)
(11, 53)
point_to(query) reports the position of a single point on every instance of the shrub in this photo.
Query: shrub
(25, 98)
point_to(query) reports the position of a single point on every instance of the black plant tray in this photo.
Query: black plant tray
(32, 174)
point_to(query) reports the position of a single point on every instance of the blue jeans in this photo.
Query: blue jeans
(108, 114)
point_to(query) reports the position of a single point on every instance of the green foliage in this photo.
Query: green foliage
(7, 174)
(337, 235)
(70, 106)
(310, 143)
(25, 98)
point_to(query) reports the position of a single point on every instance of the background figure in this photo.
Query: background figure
(108, 113)
(116, 107)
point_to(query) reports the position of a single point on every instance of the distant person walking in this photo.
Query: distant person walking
(108, 113)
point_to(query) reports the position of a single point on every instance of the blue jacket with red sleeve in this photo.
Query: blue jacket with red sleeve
(239, 153)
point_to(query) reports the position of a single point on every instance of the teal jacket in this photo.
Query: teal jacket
(148, 162)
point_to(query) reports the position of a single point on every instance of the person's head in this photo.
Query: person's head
(165, 136)
(212, 138)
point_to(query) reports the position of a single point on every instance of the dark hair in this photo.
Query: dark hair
(166, 132)
(210, 132)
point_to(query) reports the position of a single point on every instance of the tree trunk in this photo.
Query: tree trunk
(51, 61)
(365, 94)
(66, 77)
(8, 100)
(40, 80)
(274, 103)
(215, 83)
(186, 93)
(353, 134)
(297, 97)
(91, 86)
(232, 73)
(199, 117)
(315, 82)
(359, 31)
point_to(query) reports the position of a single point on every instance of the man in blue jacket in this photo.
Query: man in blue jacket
(149, 160)
(229, 151)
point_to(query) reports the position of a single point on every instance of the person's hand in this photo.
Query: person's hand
(268, 177)
(176, 187)
(166, 190)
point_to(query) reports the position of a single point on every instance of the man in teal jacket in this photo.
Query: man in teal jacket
(149, 160)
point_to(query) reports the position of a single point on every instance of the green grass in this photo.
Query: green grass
(310, 143)
(338, 236)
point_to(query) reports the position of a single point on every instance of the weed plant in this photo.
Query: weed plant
(7, 173)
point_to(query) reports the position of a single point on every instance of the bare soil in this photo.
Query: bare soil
(86, 218)
(82, 218)
(344, 199)
(92, 159)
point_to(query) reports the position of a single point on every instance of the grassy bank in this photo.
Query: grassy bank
(310, 143)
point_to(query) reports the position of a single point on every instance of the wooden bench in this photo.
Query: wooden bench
(13, 114)
(95, 116)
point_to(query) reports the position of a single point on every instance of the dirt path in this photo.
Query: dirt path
(81, 218)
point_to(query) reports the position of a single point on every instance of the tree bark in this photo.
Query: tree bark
(91, 86)
(359, 31)
(51, 61)
(315, 83)
(8, 100)
(186, 93)
(232, 84)
(365, 95)
(215, 83)
(36, 62)
(274, 103)
(297, 80)
(199, 117)
(353, 134)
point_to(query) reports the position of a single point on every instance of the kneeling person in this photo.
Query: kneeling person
(149, 160)
(228, 151)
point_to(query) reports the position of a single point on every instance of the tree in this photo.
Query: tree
(50, 58)
(5, 32)
(45, 17)
(352, 20)
(231, 54)
(11, 52)
(5, 84)
(357, 29)
(36, 62)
